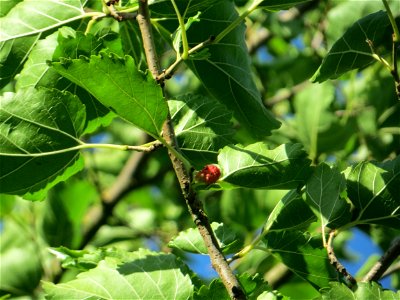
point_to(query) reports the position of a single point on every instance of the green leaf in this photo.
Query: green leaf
(118, 84)
(352, 51)
(365, 290)
(226, 73)
(291, 213)
(66, 43)
(22, 27)
(275, 5)
(303, 254)
(255, 166)
(138, 275)
(190, 240)
(20, 265)
(202, 127)
(36, 72)
(35, 127)
(324, 193)
(373, 188)
(32, 17)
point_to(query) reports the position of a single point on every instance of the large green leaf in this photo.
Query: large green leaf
(202, 127)
(119, 85)
(226, 73)
(290, 213)
(373, 188)
(303, 254)
(352, 51)
(138, 275)
(22, 27)
(324, 190)
(35, 126)
(255, 166)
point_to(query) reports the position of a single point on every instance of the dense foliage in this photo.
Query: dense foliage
(289, 126)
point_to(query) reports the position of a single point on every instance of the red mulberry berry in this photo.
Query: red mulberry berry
(209, 174)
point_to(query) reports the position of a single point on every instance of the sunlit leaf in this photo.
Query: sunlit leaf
(23, 25)
(256, 166)
(35, 127)
(373, 188)
(190, 240)
(137, 275)
(352, 50)
(119, 85)
(202, 127)
(324, 190)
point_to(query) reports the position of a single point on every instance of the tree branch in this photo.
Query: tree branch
(384, 262)
(195, 206)
(336, 263)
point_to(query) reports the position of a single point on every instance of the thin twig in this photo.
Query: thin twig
(195, 206)
(167, 73)
(384, 262)
(336, 263)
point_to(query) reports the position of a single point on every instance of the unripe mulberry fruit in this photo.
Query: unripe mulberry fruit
(209, 174)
